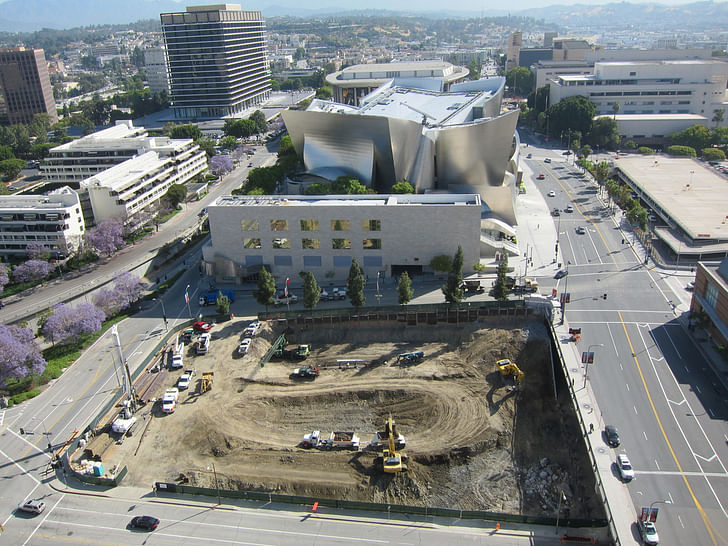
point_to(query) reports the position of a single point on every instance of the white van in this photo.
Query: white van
(203, 343)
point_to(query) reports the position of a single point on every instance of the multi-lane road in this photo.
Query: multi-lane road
(648, 376)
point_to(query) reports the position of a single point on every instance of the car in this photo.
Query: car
(176, 361)
(244, 346)
(552, 193)
(148, 523)
(648, 532)
(567, 152)
(202, 212)
(581, 230)
(250, 164)
(184, 381)
(561, 273)
(652, 218)
(251, 329)
(556, 212)
(569, 209)
(200, 326)
(541, 176)
(547, 160)
(626, 471)
(612, 436)
(529, 156)
(690, 286)
(32, 506)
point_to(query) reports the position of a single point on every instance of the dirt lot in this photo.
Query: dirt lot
(473, 441)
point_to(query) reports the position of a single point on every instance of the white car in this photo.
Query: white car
(32, 506)
(648, 532)
(552, 193)
(184, 381)
(625, 467)
(252, 329)
(244, 346)
(581, 230)
(569, 209)
(176, 362)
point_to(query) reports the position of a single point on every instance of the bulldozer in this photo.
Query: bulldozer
(206, 381)
(392, 460)
(506, 367)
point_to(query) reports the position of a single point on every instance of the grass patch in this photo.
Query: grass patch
(168, 217)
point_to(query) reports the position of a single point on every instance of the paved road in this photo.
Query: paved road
(648, 376)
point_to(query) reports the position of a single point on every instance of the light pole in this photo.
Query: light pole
(164, 313)
(665, 501)
(187, 299)
(562, 497)
(586, 371)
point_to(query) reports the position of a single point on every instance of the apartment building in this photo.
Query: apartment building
(155, 65)
(216, 56)
(54, 220)
(25, 87)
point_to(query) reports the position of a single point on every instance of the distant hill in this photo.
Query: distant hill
(30, 15)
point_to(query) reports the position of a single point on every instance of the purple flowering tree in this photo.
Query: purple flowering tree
(68, 323)
(19, 354)
(4, 278)
(106, 237)
(221, 164)
(32, 271)
(38, 251)
(127, 289)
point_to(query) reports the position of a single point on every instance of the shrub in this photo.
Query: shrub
(713, 154)
(644, 150)
(681, 151)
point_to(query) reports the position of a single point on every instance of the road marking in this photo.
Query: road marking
(684, 473)
(708, 459)
(635, 410)
(702, 513)
(657, 464)
(645, 435)
(45, 518)
(681, 521)
(698, 389)
(2, 417)
(626, 384)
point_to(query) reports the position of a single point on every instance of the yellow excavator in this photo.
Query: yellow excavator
(507, 367)
(392, 460)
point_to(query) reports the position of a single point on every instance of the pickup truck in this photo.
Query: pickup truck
(210, 298)
(335, 294)
(282, 299)
(169, 400)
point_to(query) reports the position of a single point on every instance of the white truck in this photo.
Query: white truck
(282, 299)
(335, 440)
(169, 400)
(381, 440)
(177, 352)
(203, 343)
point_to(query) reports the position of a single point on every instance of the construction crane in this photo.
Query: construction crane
(506, 368)
(392, 460)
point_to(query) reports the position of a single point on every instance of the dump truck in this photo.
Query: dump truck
(307, 372)
(210, 298)
(206, 381)
(335, 440)
(526, 285)
(406, 359)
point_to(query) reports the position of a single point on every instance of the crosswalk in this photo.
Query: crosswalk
(2, 417)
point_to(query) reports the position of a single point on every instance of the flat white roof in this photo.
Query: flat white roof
(695, 197)
(389, 200)
(654, 117)
(120, 176)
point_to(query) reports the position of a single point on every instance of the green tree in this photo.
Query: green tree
(538, 99)
(615, 109)
(696, 137)
(645, 150)
(228, 143)
(324, 93)
(453, 290)
(571, 114)
(500, 290)
(585, 151)
(630, 145)
(404, 287)
(186, 131)
(713, 154)
(346, 185)
(355, 284)
(519, 80)
(10, 168)
(637, 215)
(285, 147)
(403, 187)
(223, 304)
(683, 151)
(266, 291)
(258, 117)
(299, 54)
(263, 178)
(441, 263)
(718, 116)
(176, 194)
(311, 290)
(207, 145)
(601, 171)
(474, 67)
(6, 152)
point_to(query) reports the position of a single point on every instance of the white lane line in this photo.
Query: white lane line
(684, 473)
(657, 464)
(45, 518)
(711, 412)
(627, 385)
(670, 496)
(614, 343)
(681, 521)
(698, 389)
(29, 495)
(25, 472)
(2, 417)
(635, 410)
(645, 435)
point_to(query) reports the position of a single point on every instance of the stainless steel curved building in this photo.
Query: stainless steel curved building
(454, 142)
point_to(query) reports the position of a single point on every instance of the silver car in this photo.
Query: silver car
(626, 471)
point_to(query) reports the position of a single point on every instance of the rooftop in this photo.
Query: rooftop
(389, 200)
(692, 195)
(120, 176)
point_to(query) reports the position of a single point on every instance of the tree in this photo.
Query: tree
(10, 168)
(19, 354)
(67, 323)
(228, 143)
(585, 151)
(538, 99)
(38, 251)
(615, 109)
(32, 271)
(571, 114)
(324, 93)
(474, 67)
(266, 291)
(221, 164)
(601, 171)
(285, 147)
(682, 151)
(311, 290)
(6, 152)
(106, 237)
(713, 154)
(355, 284)
(4, 279)
(403, 187)
(128, 289)
(176, 193)
(441, 263)
(222, 304)
(520, 80)
(263, 178)
(240, 128)
(718, 116)
(696, 137)
(186, 131)
(404, 287)
(500, 290)
(258, 117)
(207, 145)
(452, 290)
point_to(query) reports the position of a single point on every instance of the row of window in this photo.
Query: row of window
(313, 244)
(315, 261)
(311, 225)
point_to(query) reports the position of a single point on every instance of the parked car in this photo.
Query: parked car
(690, 286)
(541, 176)
(32, 506)
(148, 523)
(244, 346)
(612, 436)
(184, 380)
(648, 532)
(581, 230)
(561, 273)
(556, 212)
(251, 329)
(202, 326)
(626, 472)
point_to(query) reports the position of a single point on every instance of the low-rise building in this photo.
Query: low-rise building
(709, 305)
(54, 220)
(386, 234)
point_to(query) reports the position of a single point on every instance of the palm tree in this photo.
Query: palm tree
(615, 109)
(718, 117)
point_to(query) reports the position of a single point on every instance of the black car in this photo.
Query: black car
(555, 212)
(610, 432)
(561, 273)
(148, 523)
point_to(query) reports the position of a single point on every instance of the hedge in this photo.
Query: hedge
(684, 151)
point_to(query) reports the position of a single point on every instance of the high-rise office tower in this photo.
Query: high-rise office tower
(25, 88)
(217, 60)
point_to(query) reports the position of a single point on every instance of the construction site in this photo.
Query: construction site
(468, 416)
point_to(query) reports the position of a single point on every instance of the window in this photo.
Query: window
(249, 225)
(372, 225)
(372, 244)
(339, 225)
(283, 260)
(312, 261)
(251, 243)
(342, 261)
(339, 244)
(310, 243)
(282, 242)
(309, 225)
(372, 261)
(711, 295)
(254, 260)
(279, 225)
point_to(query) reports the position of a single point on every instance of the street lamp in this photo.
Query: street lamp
(562, 497)
(187, 299)
(164, 313)
(586, 371)
(649, 513)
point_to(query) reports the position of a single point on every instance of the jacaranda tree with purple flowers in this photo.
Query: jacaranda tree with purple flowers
(68, 323)
(221, 164)
(4, 279)
(32, 271)
(38, 251)
(19, 354)
(127, 289)
(106, 237)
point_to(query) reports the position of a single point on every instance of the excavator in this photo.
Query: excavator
(506, 368)
(392, 460)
